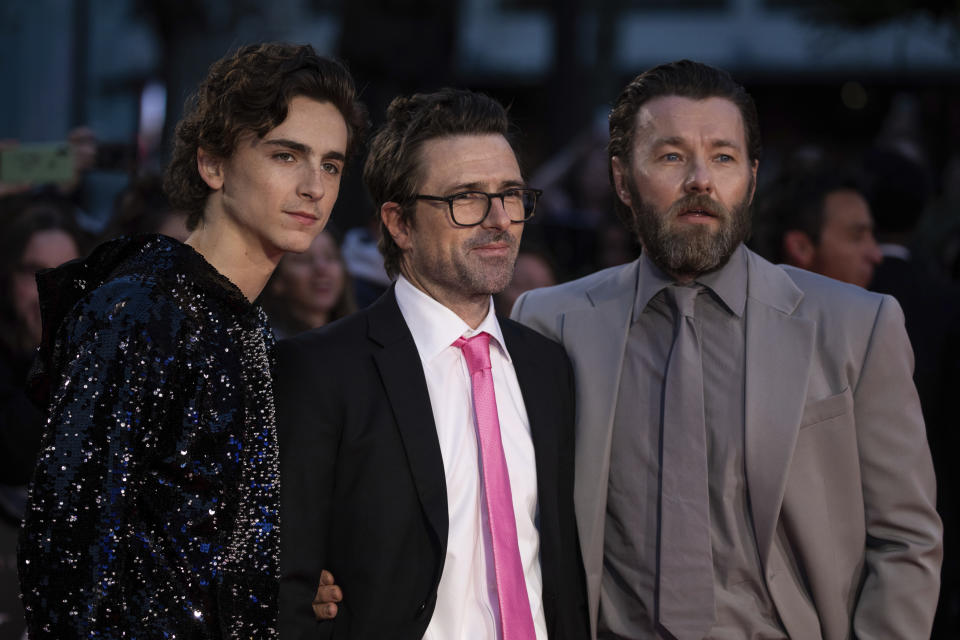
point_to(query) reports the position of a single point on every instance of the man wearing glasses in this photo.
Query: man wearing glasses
(426, 445)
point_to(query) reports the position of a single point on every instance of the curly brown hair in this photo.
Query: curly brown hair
(250, 91)
(686, 79)
(392, 171)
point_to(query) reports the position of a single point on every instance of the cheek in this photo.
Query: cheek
(336, 272)
(26, 299)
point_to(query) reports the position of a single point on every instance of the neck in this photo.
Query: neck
(472, 309)
(248, 270)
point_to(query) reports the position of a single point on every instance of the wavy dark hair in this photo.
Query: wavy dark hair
(392, 171)
(250, 91)
(686, 79)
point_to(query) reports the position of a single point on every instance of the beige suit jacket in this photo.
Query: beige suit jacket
(837, 463)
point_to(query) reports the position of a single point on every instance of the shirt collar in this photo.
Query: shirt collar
(728, 283)
(890, 250)
(435, 327)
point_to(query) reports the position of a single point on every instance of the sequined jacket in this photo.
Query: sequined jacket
(154, 506)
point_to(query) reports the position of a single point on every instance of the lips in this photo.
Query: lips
(698, 212)
(304, 217)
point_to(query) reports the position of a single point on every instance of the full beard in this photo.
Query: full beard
(691, 250)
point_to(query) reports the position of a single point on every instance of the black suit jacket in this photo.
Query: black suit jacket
(363, 490)
(932, 312)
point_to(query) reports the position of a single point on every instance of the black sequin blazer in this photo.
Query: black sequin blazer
(154, 505)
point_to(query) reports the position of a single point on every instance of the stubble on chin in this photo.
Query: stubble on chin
(485, 276)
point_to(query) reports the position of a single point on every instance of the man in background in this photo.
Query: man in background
(824, 225)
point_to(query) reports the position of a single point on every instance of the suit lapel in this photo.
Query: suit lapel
(595, 338)
(538, 403)
(406, 389)
(779, 346)
(540, 413)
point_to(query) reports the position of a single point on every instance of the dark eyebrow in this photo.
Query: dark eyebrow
(288, 144)
(303, 148)
(674, 141)
(476, 186)
(677, 141)
(725, 143)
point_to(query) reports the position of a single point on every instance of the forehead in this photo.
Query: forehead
(315, 123)
(686, 119)
(475, 159)
(845, 206)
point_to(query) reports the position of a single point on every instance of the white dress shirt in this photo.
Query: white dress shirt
(467, 604)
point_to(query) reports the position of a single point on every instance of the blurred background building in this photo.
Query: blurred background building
(834, 82)
(828, 76)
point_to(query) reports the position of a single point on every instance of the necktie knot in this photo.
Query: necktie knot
(476, 351)
(683, 298)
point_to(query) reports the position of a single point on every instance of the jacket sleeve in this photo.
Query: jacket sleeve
(107, 401)
(904, 533)
(307, 425)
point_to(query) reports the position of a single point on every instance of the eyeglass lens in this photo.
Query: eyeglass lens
(471, 207)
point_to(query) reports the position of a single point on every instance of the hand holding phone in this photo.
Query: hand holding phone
(34, 164)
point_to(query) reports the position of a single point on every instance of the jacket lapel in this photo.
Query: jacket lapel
(540, 413)
(406, 389)
(595, 338)
(779, 348)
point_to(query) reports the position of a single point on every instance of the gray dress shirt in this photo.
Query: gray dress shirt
(744, 608)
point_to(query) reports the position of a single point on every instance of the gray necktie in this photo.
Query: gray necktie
(685, 600)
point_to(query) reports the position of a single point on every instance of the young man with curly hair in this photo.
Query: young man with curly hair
(154, 506)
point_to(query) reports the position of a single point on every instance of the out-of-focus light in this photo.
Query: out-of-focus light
(853, 95)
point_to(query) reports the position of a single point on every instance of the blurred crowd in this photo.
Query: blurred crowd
(886, 220)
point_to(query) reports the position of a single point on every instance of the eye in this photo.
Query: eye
(283, 156)
(331, 167)
(514, 195)
(467, 195)
(673, 156)
(724, 157)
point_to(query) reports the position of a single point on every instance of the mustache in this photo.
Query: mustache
(490, 237)
(699, 201)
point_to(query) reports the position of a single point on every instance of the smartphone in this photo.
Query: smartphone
(37, 163)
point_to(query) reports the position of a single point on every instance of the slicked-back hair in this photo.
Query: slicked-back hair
(393, 171)
(249, 91)
(686, 79)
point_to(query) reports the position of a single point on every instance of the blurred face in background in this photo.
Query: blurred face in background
(45, 249)
(311, 282)
(847, 249)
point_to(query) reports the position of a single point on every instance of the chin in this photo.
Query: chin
(296, 243)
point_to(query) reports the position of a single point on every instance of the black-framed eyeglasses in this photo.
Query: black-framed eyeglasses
(470, 208)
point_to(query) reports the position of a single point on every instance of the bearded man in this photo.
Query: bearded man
(751, 459)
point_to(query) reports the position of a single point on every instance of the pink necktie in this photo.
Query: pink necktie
(515, 617)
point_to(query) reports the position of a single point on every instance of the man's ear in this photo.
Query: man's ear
(391, 214)
(210, 168)
(621, 174)
(753, 183)
(798, 249)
